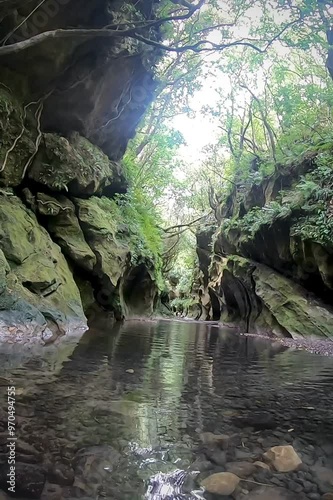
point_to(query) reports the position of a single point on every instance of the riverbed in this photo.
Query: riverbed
(130, 411)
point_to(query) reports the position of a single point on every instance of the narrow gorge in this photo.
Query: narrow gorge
(166, 250)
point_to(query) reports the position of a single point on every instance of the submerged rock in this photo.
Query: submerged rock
(271, 493)
(221, 483)
(283, 458)
(241, 469)
(29, 480)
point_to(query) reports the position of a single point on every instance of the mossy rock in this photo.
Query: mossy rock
(262, 299)
(292, 307)
(99, 219)
(72, 164)
(17, 139)
(39, 272)
(63, 225)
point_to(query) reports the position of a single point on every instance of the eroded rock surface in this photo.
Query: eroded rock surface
(68, 107)
(270, 269)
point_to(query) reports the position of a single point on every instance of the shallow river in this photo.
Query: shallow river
(120, 414)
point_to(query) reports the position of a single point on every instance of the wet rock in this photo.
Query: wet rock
(323, 477)
(259, 421)
(61, 474)
(30, 480)
(52, 492)
(24, 410)
(283, 458)
(262, 465)
(243, 455)
(328, 496)
(271, 493)
(221, 440)
(201, 465)
(222, 483)
(241, 469)
(26, 448)
(216, 456)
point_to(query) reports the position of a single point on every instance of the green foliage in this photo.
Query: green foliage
(255, 218)
(307, 206)
(317, 227)
(182, 304)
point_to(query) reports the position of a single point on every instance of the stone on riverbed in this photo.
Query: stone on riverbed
(241, 469)
(262, 465)
(270, 493)
(283, 458)
(221, 440)
(324, 478)
(221, 483)
(30, 480)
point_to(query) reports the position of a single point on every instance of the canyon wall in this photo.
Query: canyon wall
(68, 107)
(268, 267)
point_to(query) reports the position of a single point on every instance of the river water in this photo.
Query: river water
(120, 414)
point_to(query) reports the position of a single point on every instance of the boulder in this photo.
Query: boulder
(221, 440)
(39, 287)
(74, 165)
(283, 458)
(221, 483)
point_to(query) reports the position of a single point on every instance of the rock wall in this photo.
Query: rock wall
(68, 107)
(271, 266)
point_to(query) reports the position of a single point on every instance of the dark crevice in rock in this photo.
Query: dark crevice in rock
(138, 291)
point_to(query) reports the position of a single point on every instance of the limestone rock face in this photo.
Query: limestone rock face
(63, 225)
(271, 265)
(283, 458)
(269, 301)
(68, 107)
(99, 87)
(75, 165)
(221, 483)
(36, 271)
(122, 284)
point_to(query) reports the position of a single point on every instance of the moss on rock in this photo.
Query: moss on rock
(39, 272)
(17, 141)
(72, 164)
(265, 300)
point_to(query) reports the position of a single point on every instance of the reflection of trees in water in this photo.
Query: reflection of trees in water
(185, 375)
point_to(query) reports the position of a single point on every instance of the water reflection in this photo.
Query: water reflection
(136, 397)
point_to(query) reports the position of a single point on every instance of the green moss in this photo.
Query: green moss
(14, 126)
(39, 271)
(73, 165)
